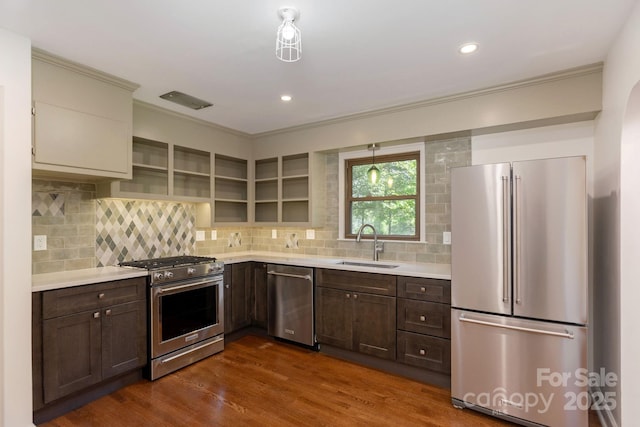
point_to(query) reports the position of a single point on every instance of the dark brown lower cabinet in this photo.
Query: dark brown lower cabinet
(85, 335)
(349, 317)
(259, 295)
(72, 347)
(424, 323)
(238, 281)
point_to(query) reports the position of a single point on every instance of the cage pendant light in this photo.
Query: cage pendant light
(373, 173)
(288, 39)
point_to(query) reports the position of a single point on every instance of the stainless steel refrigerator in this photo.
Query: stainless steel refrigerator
(519, 290)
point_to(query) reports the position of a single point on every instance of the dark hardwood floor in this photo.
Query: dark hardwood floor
(260, 382)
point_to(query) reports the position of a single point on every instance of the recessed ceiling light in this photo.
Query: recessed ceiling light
(468, 48)
(286, 98)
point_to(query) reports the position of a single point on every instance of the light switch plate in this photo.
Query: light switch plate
(199, 235)
(214, 234)
(40, 243)
(274, 234)
(311, 234)
(446, 237)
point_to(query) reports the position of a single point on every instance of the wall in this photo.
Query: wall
(440, 156)
(65, 212)
(617, 273)
(15, 227)
(555, 97)
(85, 232)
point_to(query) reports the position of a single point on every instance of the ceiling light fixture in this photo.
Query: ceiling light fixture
(468, 48)
(288, 39)
(286, 98)
(373, 173)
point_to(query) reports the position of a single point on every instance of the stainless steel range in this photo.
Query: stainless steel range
(186, 311)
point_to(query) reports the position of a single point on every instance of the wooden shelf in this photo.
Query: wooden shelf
(231, 189)
(283, 189)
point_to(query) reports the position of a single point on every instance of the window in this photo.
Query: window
(392, 205)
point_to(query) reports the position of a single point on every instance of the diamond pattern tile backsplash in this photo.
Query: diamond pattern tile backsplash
(138, 229)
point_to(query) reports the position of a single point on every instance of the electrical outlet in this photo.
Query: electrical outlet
(274, 234)
(311, 234)
(214, 234)
(446, 237)
(40, 243)
(199, 235)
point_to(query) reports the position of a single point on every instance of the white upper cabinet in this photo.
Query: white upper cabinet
(82, 120)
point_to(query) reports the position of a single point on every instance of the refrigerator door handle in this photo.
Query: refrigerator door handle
(516, 243)
(505, 238)
(565, 334)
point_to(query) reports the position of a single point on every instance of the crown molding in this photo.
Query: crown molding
(50, 58)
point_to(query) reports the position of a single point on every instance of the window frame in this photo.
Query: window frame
(398, 151)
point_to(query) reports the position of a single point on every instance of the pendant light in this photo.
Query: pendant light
(373, 173)
(288, 38)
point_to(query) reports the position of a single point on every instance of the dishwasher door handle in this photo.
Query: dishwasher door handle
(295, 276)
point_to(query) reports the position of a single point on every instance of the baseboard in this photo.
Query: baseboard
(604, 414)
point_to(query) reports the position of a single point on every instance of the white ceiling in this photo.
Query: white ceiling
(358, 55)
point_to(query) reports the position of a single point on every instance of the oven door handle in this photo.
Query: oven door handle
(188, 285)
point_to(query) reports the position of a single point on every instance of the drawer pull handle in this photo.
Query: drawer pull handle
(423, 352)
(348, 295)
(100, 295)
(108, 312)
(423, 289)
(96, 315)
(355, 296)
(423, 318)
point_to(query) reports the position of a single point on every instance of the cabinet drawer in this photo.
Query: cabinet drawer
(62, 302)
(434, 290)
(379, 284)
(424, 351)
(424, 317)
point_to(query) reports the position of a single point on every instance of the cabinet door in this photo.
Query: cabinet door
(124, 338)
(375, 325)
(241, 282)
(72, 349)
(95, 143)
(259, 294)
(334, 317)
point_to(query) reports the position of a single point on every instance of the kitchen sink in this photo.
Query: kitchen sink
(367, 264)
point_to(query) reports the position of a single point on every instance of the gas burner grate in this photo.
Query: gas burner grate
(167, 262)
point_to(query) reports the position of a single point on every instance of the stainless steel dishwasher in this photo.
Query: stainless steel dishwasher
(290, 303)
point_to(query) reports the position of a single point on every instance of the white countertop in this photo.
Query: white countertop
(65, 279)
(432, 271)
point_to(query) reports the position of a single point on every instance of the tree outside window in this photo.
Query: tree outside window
(392, 204)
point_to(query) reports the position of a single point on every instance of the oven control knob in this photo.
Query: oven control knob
(158, 276)
(190, 271)
(168, 275)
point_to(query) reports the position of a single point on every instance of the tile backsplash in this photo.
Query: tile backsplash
(139, 229)
(85, 232)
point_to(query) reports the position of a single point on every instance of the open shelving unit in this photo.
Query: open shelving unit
(266, 190)
(150, 169)
(191, 173)
(283, 189)
(231, 201)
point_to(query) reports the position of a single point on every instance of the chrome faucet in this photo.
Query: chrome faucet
(377, 247)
